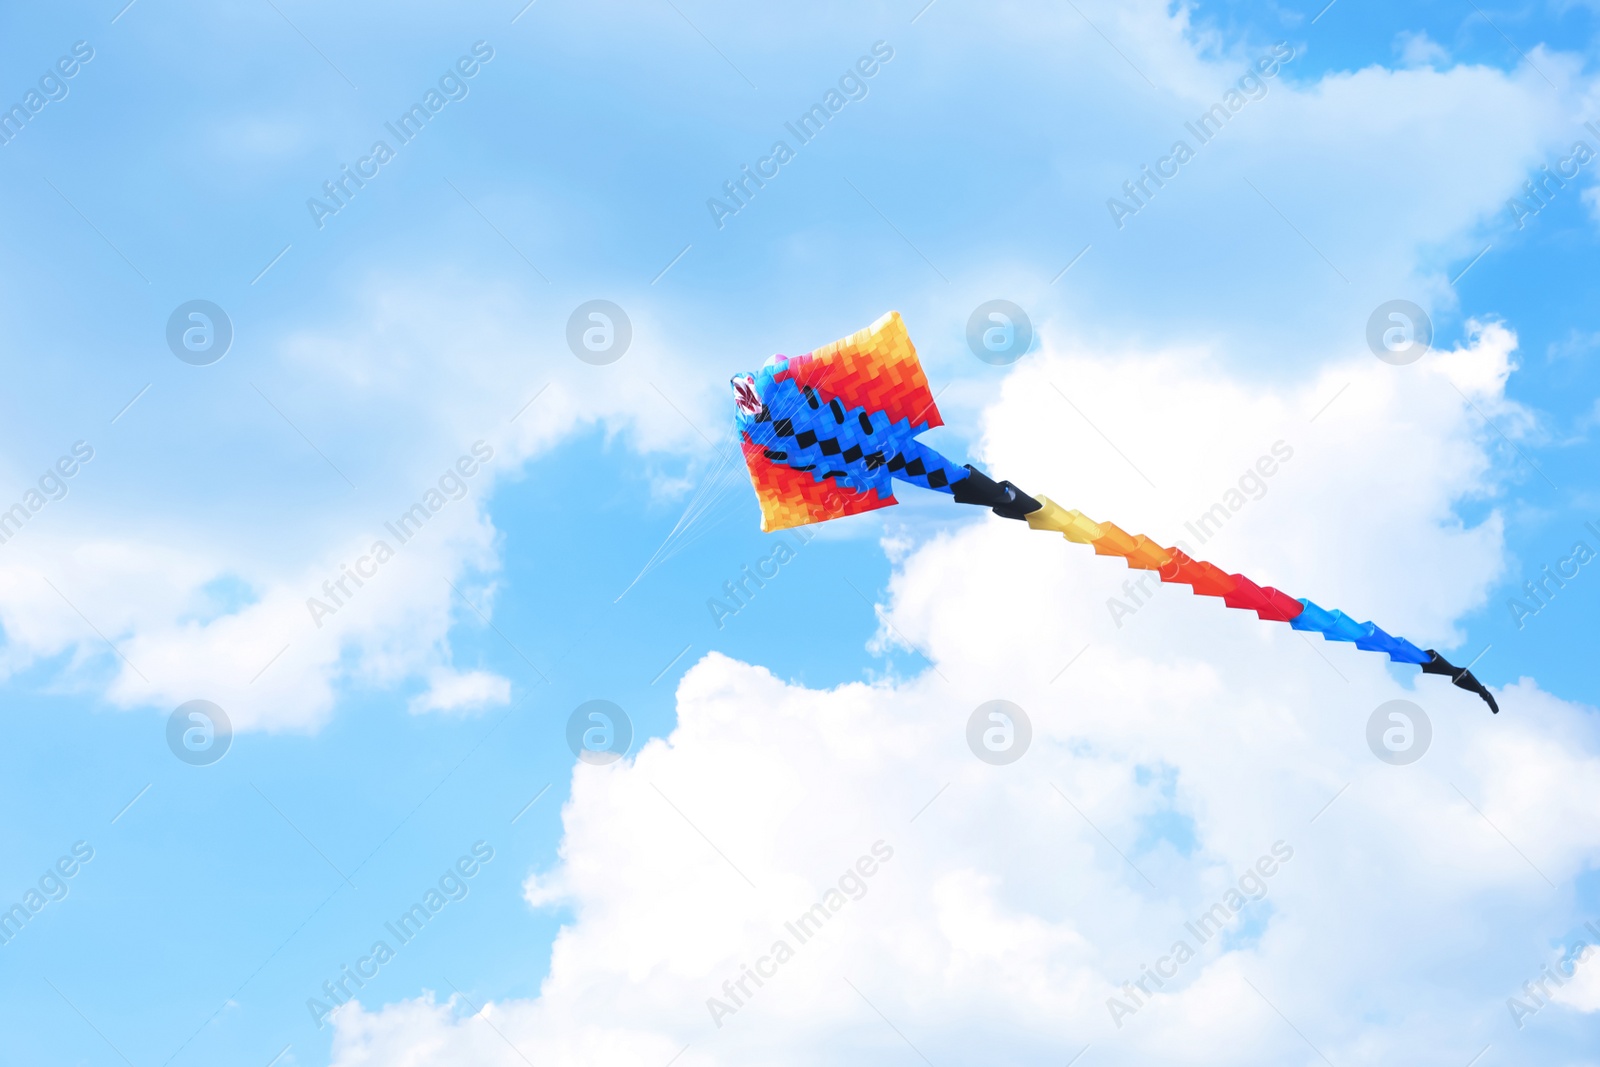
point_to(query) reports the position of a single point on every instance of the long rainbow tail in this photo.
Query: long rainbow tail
(1172, 565)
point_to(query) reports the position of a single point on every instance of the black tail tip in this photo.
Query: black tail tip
(1462, 678)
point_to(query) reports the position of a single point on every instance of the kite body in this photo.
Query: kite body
(827, 434)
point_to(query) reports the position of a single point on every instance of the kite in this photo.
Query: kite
(825, 434)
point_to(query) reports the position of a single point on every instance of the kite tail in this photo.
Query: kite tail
(1172, 565)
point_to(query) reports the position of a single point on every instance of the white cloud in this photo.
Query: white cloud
(400, 393)
(1575, 345)
(1417, 49)
(1583, 990)
(1481, 369)
(462, 692)
(426, 365)
(1178, 750)
(1376, 450)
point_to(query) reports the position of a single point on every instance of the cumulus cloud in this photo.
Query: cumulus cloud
(1417, 49)
(1184, 758)
(426, 364)
(462, 692)
(1180, 750)
(1142, 441)
(1583, 993)
(420, 385)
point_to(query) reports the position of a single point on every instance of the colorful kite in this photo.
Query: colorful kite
(824, 435)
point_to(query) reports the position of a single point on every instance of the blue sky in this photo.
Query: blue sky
(371, 350)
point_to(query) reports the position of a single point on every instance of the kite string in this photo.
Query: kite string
(714, 490)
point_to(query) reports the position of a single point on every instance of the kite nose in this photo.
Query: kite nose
(744, 393)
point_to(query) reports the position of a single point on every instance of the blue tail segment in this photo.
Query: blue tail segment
(1337, 626)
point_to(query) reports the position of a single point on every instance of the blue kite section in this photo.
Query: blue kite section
(1337, 626)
